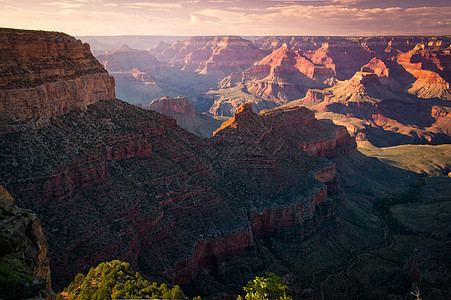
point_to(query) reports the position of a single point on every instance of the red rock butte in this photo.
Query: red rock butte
(44, 75)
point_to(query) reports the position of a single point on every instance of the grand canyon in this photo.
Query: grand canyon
(209, 160)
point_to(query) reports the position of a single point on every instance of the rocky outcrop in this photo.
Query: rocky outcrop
(372, 112)
(377, 67)
(138, 185)
(216, 56)
(427, 67)
(124, 58)
(23, 256)
(116, 181)
(229, 54)
(44, 75)
(276, 79)
(175, 107)
(345, 57)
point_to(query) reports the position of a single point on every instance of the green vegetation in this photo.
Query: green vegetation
(116, 280)
(382, 206)
(266, 288)
(16, 281)
(432, 160)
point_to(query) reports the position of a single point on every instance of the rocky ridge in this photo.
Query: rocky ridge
(169, 193)
(373, 112)
(46, 75)
(182, 110)
(280, 77)
(262, 193)
(23, 259)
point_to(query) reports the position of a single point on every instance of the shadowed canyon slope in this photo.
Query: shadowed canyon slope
(183, 111)
(25, 271)
(408, 103)
(114, 180)
(275, 191)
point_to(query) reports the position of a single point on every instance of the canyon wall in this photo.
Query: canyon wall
(44, 75)
(24, 262)
(113, 181)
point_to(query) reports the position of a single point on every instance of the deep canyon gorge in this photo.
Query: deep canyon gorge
(267, 173)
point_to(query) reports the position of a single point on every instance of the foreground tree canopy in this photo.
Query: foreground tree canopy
(270, 287)
(116, 280)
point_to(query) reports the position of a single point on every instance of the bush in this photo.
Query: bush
(116, 280)
(266, 288)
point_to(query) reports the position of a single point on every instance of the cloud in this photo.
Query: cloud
(223, 17)
(151, 5)
(64, 4)
(194, 19)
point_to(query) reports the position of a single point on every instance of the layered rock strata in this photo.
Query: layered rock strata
(44, 75)
(23, 257)
(278, 78)
(371, 111)
(174, 107)
(117, 181)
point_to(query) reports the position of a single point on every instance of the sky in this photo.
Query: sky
(230, 17)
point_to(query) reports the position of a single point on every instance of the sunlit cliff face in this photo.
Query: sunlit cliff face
(220, 17)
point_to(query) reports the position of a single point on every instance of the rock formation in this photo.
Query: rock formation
(124, 58)
(23, 255)
(114, 181)
(281, 76)
(142, 189)
(173, 107)
(44, 75)
(344, 57)
(183, 111)
(215, 56)
(431, 70)
(372, 112)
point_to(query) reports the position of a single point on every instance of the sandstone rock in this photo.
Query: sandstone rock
(216, 56)
(281, 76)
(377, 67)
(174, 107)
(344, 57)
(46, 75)
(372, 112)
(24, 252)
(427, 66)
(124, 58)
(229, 54)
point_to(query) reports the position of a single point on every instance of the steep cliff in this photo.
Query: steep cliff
(114, 181)
(345, 57)
(279, 77)
(44, 75)
(140, 188)
(174, 107)
(373, 112)
(25, 271)
(124, 58)
(182, 110)
(431, 70)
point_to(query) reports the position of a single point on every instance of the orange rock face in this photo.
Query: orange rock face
(344, 57)
(377, 67)
(428, 67)
(44, 75)
(173, 106)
